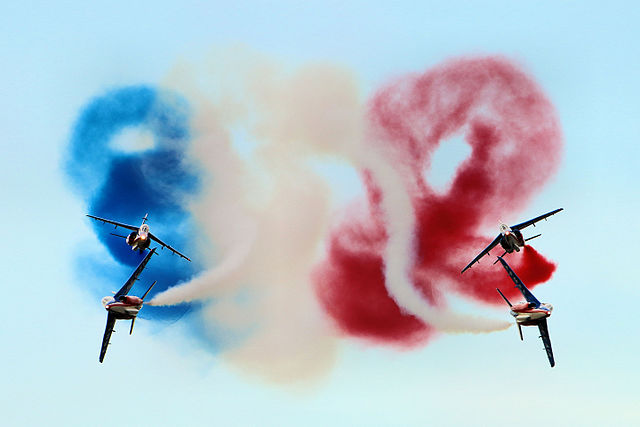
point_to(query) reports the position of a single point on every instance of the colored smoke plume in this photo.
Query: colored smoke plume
(123, 184)
(266, 210)
(414, 241)
(390, 262)
(282, 258)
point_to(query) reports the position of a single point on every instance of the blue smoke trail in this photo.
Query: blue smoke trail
(123, 186)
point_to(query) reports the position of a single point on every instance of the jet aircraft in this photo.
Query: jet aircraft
(123, 306)
(530, 313)
(510, 238)
(140, 237)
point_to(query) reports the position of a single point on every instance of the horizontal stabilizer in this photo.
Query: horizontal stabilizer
(531, 238)
(145, 294)
(505, 298)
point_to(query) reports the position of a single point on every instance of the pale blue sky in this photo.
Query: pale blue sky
(584, 55)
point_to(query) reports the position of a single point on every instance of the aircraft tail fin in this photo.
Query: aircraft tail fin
(132, 322)
(503, 297)
(145, 294)
(531, 238)
(520, 330)
(497, 259)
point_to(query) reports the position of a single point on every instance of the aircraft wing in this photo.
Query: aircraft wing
(523, 289)
(117, 224)
(127, 286)
(483, 253)
(111, 321)
(534, 220)
(544, 334)
(164, 245)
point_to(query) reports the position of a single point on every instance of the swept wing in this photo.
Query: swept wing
(483, 253)
(117, 224)
(111, 321)
(544, 334)
(164, 245)
(534, 220)
(129, 283)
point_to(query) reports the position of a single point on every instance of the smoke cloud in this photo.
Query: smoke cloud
(387, 270)
(124, 183)
(287, 271)
(267, 210)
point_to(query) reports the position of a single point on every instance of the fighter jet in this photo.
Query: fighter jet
(530, 313)
(510, 238)
(140, 238)
(123, 306)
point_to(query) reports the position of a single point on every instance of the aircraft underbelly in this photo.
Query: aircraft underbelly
(509, 244)
(529, 317)
(512, 242)
(127, 311)
(140, 244)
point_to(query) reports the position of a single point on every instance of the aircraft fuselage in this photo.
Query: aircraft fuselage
(511, 240)
(127, 308)
(139, 240)
(526, 315)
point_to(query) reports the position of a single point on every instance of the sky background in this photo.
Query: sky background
(583, 54)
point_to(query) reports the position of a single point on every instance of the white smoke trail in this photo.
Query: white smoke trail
(399, 255)
(265, 209)
(268, 213)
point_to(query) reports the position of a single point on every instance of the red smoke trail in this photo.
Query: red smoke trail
(515, 140)
(351, 286)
